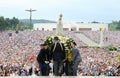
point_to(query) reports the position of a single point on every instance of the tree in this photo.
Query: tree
(6, 23)
(2, 23)
(94, 22)
(14, 22)
(118, 26)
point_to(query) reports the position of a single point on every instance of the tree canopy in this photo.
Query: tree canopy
(7, 23)
(115, 25)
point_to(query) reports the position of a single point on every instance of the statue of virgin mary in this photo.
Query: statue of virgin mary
(59, 28)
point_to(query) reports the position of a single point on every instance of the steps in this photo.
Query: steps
(86, 40)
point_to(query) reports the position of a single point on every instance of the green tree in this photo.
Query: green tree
(6, 23)
(118, 26)
(14, 22)
(2, 23)
(94, 22)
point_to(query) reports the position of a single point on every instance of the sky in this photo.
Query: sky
(72, 10)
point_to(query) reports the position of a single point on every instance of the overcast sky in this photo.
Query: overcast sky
(72, 10)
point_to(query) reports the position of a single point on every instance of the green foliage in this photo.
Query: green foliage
(94, 22)
(94, 47)
(27, 21)
(11, 24)
(67, 43)
(49, 40)
(119, 58)
(6, 23)
(115, 25)
(112, 26)
(111, 48)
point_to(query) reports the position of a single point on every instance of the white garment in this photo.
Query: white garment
(51, 65)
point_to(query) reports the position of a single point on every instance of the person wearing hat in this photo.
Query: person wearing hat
(58, 55)
(43, 60)
(47, 58)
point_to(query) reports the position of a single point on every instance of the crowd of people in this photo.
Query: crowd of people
(98, 62)
(110, 37)
(17, 48)
(94, 35)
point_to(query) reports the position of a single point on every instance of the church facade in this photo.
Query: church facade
(71, 26)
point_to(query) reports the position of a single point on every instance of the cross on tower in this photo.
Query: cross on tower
(30, 10)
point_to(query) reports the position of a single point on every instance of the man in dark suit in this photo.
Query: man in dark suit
(58, 55)
(43, 60)
(47, 58)
(76, 58)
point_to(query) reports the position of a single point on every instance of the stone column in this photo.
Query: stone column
(101, 37)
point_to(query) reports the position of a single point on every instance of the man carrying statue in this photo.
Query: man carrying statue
(58, 56)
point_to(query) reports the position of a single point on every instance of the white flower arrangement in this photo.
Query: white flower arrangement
(65, 40)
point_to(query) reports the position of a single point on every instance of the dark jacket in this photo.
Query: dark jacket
(57, 54)
(76, 57)
(43, 56)
(47, 55)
